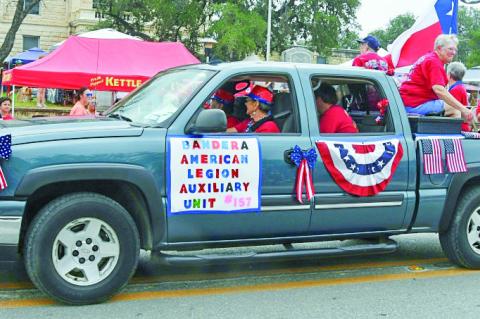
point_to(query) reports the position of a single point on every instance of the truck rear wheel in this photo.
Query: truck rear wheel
(81, 248)
(461, 242)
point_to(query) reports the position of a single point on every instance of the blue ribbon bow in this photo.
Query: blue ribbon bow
(5, 146)
(298, 155)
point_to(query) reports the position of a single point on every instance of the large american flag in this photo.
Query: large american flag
(432, 156)
(454, 155)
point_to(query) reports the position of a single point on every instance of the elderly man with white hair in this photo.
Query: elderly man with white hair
(424, 91)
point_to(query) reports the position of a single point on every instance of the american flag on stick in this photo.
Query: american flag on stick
(454, 155)
(432, 156)
(5, 152)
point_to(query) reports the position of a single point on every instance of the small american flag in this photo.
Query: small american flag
(432, 156)
(5, 152)
(454, 154)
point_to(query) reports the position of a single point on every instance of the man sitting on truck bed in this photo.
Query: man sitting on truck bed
(424, 91)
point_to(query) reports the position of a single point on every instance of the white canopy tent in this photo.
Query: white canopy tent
(100, 34)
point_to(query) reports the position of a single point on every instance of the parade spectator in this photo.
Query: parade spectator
(223, 99)
(369, 58)
(41, 97)
(5, 108)
(258, 103)
(455, 73)
(80, 107)
(333, 118)
(424, 91)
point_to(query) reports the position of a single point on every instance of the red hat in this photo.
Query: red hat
(224, 97)
(261, 94)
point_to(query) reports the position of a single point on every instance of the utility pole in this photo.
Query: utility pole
(269, 29)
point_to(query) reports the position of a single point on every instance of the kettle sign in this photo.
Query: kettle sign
(213, 175)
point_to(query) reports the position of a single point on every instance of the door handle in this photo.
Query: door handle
(286, 157)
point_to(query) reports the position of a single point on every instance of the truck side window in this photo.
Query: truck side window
(283, 111)
(363, 101)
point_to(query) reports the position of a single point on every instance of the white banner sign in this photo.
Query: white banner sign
(213, 175)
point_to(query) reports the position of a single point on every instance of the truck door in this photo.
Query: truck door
(280, 214)
(348, 206)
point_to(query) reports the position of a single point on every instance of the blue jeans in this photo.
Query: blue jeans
(434, 106)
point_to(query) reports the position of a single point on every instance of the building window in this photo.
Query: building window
(35, 9)
(30, 41)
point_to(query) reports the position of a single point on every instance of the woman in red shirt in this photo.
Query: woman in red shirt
(455, 73)
(5, 107)
(258, 103)
(221, 99)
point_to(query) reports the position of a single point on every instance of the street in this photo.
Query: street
(415, 282)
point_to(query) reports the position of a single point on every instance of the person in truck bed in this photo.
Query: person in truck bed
(368, 57)
(455, 73)
(424, 91)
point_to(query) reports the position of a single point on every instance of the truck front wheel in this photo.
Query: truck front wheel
(81, 248)
(461, 242)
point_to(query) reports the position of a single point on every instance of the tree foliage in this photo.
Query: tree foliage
(395, 27)
(238, 25)
(318, 23)
(21, 11)
(468, 36)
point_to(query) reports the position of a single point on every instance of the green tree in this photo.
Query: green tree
(240, 30)
(320, 23)
(22, 9)
(473, 59)
(395, 27)
(468, 26)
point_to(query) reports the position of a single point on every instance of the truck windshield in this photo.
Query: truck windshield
(156, 101)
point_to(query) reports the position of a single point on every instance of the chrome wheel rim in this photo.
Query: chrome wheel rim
(85, 251)
(473, 230)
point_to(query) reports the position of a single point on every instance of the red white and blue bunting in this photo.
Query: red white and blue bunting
(361, 168)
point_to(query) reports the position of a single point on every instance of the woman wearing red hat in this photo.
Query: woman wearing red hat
(258, 103)
(223, 98)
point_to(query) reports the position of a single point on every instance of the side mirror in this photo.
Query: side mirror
(209, 121)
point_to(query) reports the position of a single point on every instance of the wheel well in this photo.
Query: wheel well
(448, 215)
(126, 194)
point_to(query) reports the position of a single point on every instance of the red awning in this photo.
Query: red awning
(100, 64)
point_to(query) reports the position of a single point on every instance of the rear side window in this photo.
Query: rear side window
(363, 101)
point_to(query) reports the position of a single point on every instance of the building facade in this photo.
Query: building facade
(51, 22)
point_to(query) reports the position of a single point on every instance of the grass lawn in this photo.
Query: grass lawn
(33, 104)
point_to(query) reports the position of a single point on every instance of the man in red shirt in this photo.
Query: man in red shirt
(333, 118)
(424, 91)
(455, 73)
(369, 59)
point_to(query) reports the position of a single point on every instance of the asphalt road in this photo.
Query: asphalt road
(415, 282)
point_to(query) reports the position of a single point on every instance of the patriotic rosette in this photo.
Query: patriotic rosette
(305, 161)
(361, 168)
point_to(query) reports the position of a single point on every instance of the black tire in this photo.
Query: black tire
(55, 216)
(455, 241)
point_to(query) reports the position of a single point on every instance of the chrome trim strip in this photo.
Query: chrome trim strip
(282, 208)
(10, 229)
(358, 205)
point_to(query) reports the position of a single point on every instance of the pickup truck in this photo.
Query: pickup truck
(86, 194)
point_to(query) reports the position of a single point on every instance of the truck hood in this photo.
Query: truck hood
(64, 128)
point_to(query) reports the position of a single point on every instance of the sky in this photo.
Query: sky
(375, 14)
